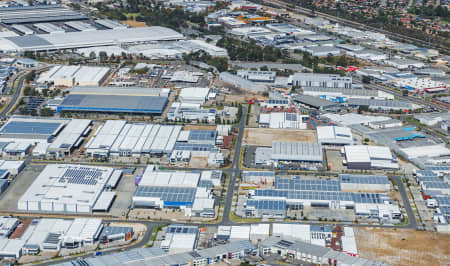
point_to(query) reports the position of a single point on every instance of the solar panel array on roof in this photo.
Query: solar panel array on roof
(373, 198)
(202, 135)
(206, 184)
(443, 200)
(194, 147)
(291, 117)
(181, 229)
(170, 195)
(363, 179)
(425, 173)
(278, 205)
(274, 101)
(436, 185)
(81, 176)
(429, 179)
(305, 184)
(25, 127)
(437, 167)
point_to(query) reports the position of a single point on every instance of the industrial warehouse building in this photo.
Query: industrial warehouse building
(334, 135)
(368, 157)
(193, 95)
(317, 103)
(66, 188)
(114, 100)
(258, 177)
(180, 238)
(83, 39)
(355, 183)
(38, 13)
(344, 94)
(31, 130)
(156, 256)
(383, 105)
(119, 138)
(174, 189)
(69, 138)
(69, 76)
(191, 112)
(295, 194)
(297, 152)
(47, 235)
(321, 80)
(282, 120)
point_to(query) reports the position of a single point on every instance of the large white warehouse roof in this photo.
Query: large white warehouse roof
(88, 39)
(65, 188)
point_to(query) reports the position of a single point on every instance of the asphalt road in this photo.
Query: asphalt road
(15, 96)
(233, 171)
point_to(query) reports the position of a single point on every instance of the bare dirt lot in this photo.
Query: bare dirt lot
(403, 247)
(265, 136)
(198, 162)
(198, 127)
(243, 98)
(134, 24)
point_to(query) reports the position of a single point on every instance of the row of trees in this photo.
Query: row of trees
(154, 15)
(250, 51)
(220, 63)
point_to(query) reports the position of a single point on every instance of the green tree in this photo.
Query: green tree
(366, 79)
(46, 112)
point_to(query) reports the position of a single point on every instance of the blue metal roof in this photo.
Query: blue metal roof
(113, 103)
(363, 179)
(25, 127)
(180, 146)
(181, 229)
(324, 195)
(305, 184)
(172, 196)
(207, 135)
(277, 205)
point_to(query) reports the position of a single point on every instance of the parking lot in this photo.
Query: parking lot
(18, 186)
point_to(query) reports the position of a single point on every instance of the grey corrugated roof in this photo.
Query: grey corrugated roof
(379, 103)
(29, 41)
(114, 103)
(314, 101)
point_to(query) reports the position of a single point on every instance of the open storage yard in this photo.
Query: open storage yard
(265, 136)
(403, 247)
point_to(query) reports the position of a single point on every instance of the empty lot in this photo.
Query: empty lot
(265, 136)
(403, 246)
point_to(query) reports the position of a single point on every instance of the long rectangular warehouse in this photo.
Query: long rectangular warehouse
(66, 188)
(80, 26)
(49, 28)
(110, 24)
(31, 130)
(297, 151)
(112, 100)
(82, 39)
(68, 76)
(119, 138)
(41, 13)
